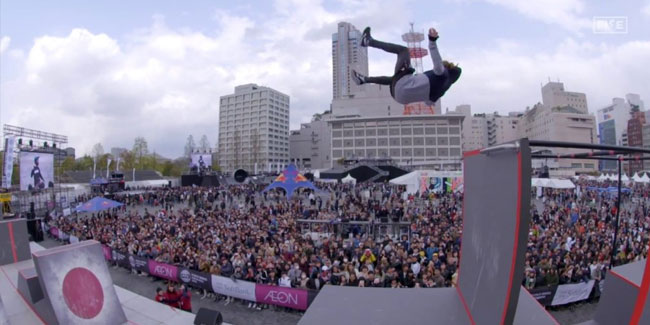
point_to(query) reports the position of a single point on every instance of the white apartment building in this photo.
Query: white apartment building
(254, 129)
(484, 130)
(554, 95)
(309, 147)
(429, 141)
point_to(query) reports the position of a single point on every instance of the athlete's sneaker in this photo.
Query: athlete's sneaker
(358, 78)
(365, 37)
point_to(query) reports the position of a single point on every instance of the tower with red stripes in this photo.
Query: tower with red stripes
(414, 41)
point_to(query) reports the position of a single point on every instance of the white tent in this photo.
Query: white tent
(624, 178)
(551, 183)
(349, 180)
(601, 178)
(316, 173)
(636, 177)
(413, 179)
(645, 179)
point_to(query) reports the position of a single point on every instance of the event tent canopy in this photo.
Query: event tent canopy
(552, 183)
(412, 180)
(349, 180)
(290, 180)
(645, 178)
(98, 204)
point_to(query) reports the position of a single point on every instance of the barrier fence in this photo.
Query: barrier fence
(293, 298)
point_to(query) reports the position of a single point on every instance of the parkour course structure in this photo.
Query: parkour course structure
(494, 238)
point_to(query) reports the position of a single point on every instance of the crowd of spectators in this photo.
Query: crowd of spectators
(237, 232)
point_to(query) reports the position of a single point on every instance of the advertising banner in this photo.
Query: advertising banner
(239, 289)
(107, 252)
(120, 258)
(162, 270)
(139, 263)
(543, 295)
(8, 163)
(36, 171)
(195, 279)
(568, 293)
(282, 296)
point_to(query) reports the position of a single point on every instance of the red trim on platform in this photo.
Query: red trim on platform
(22, 297)
(471, 153)
(12, 241)
(462, 300)
(514, 248)
(624, 279)
(643, 295)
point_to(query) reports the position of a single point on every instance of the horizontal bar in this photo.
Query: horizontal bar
(592, 146)
(590, 158)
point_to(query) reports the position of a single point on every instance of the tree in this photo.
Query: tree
(98, 150)
(84, 163)
(204, 144)
(127, 160)
(190, 146)
(68, 164)
(140, 150)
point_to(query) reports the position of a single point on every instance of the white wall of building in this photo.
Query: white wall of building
(554, 95)
(309, 147)
(253, 128)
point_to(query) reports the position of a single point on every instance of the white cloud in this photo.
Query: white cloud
(565, 13)
(507, 78)
(646, 9)
(4, 43)
(164, 83)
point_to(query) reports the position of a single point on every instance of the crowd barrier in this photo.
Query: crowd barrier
(293, 298)
(566, 293)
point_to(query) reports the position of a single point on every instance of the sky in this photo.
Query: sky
(109, 71)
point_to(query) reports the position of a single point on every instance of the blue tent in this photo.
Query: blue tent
(98, 204)
(290, 180)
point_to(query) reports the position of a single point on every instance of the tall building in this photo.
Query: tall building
(475, 132)
(309, 147)
(430, 141)
(347, 55)
(554, 95)
(613, 120)
(635, 138)
(502, 129)
(561, 124)
(253, 129)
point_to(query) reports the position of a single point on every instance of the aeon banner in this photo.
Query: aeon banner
(281, 296)
(165, 271)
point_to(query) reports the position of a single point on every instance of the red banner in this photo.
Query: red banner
(281, 296)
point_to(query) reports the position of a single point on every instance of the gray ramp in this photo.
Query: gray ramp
(352, 305)
(3, 314)
(14, 241)
(495, 230)
(530, 312)
(30, 289)
(75, 279)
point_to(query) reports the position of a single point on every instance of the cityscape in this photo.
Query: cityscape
(325, 162)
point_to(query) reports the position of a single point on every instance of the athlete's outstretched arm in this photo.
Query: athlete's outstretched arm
(438, 67)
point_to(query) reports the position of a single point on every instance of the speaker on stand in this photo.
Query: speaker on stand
(207, 316)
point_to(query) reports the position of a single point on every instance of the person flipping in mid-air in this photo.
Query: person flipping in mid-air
(405, 86)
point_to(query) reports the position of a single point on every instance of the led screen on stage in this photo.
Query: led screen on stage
(36, 170)
(201, 161)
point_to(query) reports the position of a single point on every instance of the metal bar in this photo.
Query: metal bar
(618, 214)
(590, 158)
(592, 146)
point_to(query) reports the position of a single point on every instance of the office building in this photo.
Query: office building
(554, 95)
(309, 147)
(347, 55)
(425, 141)
(253, 129)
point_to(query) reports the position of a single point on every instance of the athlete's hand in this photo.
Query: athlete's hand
(433, 34)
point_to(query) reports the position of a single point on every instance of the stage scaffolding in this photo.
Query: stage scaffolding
(56, 198)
